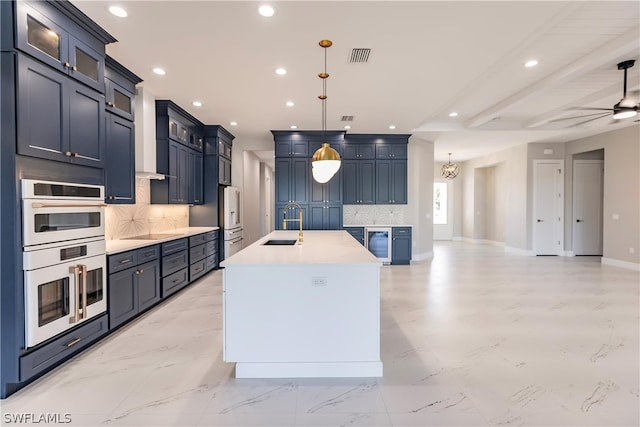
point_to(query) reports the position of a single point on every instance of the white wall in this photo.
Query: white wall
(252, 226)
(495, 203)
(420, 196)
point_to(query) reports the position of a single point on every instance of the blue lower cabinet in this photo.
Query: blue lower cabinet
(174, 282)
(357, 233)
(401, 245)
(51, 354)
(175, 266)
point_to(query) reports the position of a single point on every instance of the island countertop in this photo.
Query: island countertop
(318, 247)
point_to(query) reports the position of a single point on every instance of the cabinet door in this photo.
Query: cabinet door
(119, 100)
(383, 182)
(333, 188)
(122, 301)
(333, 218)
(224, 171)
(195, 177)
(316, 218)
(300, 148)
(120, 170)
(292, 213)
(299, 180)
(401, 250)
(367, 183)
(148, 284)
(399, 181)
(41, 114)
(283, 175)
(350, 182)
(178, 161)
(86, 125)
(350, 151)
(366, 151)
(86, 65)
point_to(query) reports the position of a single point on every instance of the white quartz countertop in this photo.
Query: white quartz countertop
(122, 245)
(318, 247)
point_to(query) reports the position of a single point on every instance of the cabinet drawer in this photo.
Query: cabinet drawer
(197, 253)
(212, 262)
(122, 261)
(148, 254)
(212, 235)
(173, 263)
(212, 247)
(197, 240)
(175, 282)
(60, 349)
(401, 231)
(197, 269)
(174, 246)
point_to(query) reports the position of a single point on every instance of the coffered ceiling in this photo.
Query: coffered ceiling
(427, 59)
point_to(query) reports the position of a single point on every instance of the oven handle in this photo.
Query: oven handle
(76, 274)
(83, 271)
(68, 205)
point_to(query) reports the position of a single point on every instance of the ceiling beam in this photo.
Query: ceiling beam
(621, 45)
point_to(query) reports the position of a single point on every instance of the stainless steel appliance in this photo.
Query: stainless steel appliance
(232, 221)
(378, 241)
(64, 256)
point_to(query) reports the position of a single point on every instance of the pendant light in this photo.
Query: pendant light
(450, 170)
(325, 161)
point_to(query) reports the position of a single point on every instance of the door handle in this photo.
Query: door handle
(83, 271)
(76, 275)
(541, 220)
(579, 220)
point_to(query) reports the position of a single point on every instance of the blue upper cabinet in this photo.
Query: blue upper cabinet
(292, 148)
(358, 182)
(359, 151)
(58, 118)
(47, 32)
(292, 178)
(120, 88)
(397, 151)
(391, 182)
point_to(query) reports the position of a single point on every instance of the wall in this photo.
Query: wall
(495, 203)
(267, 190)
(419, 212)
(252, 224)
(143, 218)
(621, 193)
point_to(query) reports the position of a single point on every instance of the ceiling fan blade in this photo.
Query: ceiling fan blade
(587, 121)
(590, 108)
(575, 117)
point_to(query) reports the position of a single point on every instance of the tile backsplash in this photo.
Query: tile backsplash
(143, 218)
(373, 214)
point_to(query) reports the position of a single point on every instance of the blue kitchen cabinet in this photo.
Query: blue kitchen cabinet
(386, 151)
(58, 118)
(195, 178)
(292, 148)
(292, 176)
(292, 213)
(120, 87)
(357, 233)
(358, 182)
(324, 217)
(44, 33)
(391, 181)
(120, 171)
(359, 151)
(401, 245)
(175, 266)
(173, 162)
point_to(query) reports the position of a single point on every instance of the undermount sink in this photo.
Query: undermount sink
(280, 242)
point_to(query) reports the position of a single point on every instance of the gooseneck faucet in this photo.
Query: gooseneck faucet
(299, 219)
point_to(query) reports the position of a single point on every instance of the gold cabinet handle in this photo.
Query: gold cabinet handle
(67, 65)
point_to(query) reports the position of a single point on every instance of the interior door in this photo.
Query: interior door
(548, 207)
(587, 206)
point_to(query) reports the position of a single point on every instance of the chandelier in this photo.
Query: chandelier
(325, 161)
(450, 170)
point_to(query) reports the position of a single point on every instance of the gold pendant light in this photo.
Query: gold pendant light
(325, 162)
(450, 170)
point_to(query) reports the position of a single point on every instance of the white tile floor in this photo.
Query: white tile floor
(473, 337)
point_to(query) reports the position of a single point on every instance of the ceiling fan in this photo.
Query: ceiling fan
(626, 108)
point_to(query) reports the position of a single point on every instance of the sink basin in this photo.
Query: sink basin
(280, 242)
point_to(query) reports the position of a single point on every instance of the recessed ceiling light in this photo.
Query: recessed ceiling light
(347, 127)
(159, 71)
(531, 63)
(281, 71)
(266, 10)
(118, 11)
(233, 123)
(197, 104)
(293, 127)
(290, 104)
(392, 126)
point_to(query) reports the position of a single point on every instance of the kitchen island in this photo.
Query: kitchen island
(303, 310)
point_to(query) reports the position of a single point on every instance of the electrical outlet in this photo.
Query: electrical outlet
(632, 250)
(319, 281)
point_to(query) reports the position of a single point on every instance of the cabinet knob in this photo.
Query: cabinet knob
(110, 104)
(74, 68)
(67, 153)
(67, 65)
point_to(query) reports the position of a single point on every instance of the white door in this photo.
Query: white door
(587, 206)
(548, 207)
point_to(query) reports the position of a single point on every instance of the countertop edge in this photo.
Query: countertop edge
(116, 246)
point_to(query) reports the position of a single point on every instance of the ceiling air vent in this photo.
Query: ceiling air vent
(346, 119)
(360, 55)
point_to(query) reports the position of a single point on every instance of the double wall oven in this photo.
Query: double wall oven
(64, 256)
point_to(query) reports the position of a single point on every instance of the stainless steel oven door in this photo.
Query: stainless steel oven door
(61, 296)
(46, 221)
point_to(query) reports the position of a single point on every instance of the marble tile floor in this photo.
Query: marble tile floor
(472, 337)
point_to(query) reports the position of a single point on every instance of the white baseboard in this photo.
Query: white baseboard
(423, 256)
(622, 264)
(518, 251)
(492, 242)
(457, 238)
(568, 253)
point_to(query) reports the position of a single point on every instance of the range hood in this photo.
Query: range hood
(145, 131)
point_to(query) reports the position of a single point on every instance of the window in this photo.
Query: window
(439, 202)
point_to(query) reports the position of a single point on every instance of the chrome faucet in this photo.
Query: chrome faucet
(299, 219)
